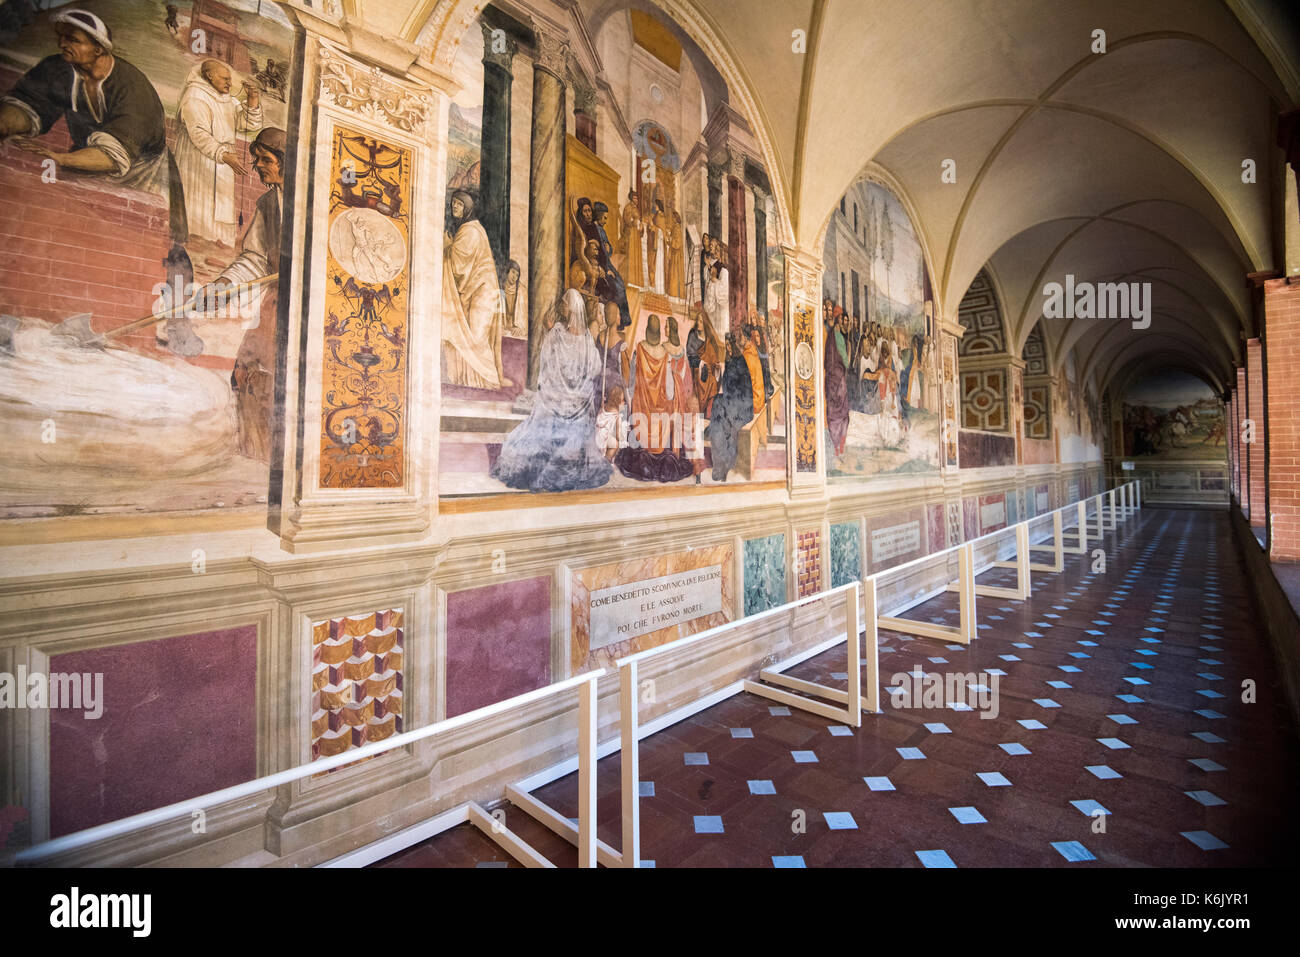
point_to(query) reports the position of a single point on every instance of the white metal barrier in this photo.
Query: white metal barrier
(853, 700)
(866, 698)
(470, 811)
(591, 850)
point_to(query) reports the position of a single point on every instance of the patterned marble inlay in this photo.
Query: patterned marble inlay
(846, 554)
(764, 573)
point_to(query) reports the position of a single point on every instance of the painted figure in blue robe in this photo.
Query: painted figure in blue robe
(554, 449)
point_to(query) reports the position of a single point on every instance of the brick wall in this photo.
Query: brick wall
(80, 245)
(1242, 455)
(1256, 449)
(74, 247)
(1234, 441)
(1282, 325)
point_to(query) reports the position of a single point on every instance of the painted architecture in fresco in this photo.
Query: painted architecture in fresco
(145, 151)
(881, 370)
(611, 294)
(1173, 416)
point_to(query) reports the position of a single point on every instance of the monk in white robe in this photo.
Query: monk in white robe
(207, 155)
(473, 309)
(717, 299)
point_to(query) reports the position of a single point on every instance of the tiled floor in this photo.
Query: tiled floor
(1122, 739)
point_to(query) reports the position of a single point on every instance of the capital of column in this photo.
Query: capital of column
(803, 273)
(585, 98)
(499, 47)
(736, 164)
(351, 84)
(552, 53)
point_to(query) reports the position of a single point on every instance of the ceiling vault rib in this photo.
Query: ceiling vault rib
(805, 104)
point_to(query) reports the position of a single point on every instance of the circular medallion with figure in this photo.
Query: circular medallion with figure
(803, 361)
(368, 245)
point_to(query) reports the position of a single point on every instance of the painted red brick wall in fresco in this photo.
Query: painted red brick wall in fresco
(74, 246)
(179, 720)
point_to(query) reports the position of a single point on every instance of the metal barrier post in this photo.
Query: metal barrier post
(587, 774)
(630, 758)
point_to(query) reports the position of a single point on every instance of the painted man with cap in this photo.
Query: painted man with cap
(112, 111)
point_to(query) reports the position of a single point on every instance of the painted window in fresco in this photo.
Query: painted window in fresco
(880, 368)
(142, 167)
(611, 302)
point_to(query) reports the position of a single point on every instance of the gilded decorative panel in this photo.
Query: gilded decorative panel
(364, 395)
(805, 396)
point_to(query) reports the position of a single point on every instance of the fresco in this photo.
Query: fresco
(138, 339)
(611, 302)
(1174, 416)
(880, 366)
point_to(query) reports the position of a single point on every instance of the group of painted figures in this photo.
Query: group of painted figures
(873, 370)
(118, 130)
(604, 399)
(604, 403)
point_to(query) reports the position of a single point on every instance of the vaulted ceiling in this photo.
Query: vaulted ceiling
(1117, 166)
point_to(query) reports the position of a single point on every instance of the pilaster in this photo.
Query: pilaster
(805, 412)
(359, 462)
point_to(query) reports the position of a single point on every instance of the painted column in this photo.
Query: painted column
(737, 243)
(494, 160)
(760, 250)
(949, 335)
(715, 199)
(358, 465)
(1016, 403)
(546, 192)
